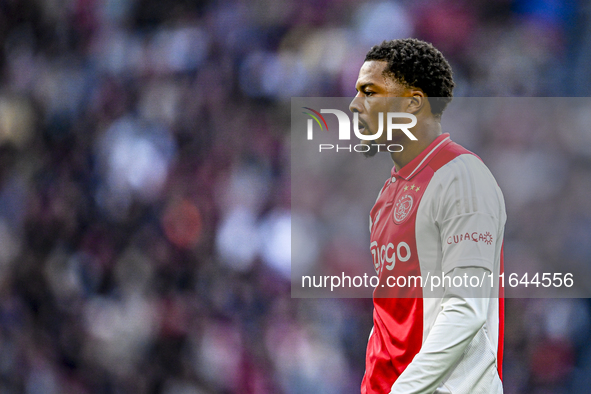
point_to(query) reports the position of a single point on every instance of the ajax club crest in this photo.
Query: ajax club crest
(402, 208)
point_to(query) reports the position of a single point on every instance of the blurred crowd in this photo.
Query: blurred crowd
(145, 188)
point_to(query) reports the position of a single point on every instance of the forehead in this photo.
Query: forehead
(372, 72)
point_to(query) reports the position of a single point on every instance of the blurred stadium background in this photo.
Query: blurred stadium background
(145, 188)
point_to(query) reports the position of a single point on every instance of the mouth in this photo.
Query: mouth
(362, 127)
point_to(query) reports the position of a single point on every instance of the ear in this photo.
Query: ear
(417, 101)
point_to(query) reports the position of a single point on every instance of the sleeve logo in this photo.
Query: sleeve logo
(487, 238)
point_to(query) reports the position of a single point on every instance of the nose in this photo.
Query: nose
(355, 105)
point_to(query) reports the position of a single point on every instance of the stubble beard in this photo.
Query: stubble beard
(373, 150)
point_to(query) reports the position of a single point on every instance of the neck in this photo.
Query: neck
(430, 130)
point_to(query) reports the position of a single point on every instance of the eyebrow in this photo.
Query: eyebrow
(366, 85)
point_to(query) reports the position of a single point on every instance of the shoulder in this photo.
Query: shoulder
(463, 184)
(449, 153)
(455, 163)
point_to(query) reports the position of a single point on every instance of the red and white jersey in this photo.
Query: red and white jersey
(443, 210)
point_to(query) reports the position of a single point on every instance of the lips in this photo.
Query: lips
(362, 127)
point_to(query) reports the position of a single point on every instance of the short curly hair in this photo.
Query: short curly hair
(417, 64)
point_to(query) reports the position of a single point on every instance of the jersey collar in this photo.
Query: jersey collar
(416, 164)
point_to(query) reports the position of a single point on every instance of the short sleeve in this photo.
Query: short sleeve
(470, 214)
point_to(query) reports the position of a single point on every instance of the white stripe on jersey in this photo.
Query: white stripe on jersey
(464, 185)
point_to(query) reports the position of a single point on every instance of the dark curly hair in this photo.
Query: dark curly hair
(417, 64)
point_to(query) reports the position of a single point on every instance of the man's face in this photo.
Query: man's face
(372, 87)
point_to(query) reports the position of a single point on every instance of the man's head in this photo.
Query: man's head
(407, 68)
(417, 64)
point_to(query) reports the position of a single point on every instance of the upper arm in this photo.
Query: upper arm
(470, 214)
